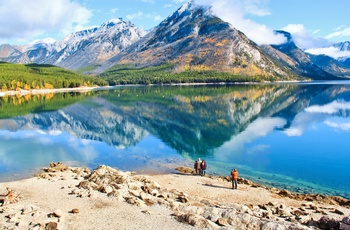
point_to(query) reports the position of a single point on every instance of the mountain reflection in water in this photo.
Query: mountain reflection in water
(292, 136)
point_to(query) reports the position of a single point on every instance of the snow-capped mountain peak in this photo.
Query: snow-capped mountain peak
(86, 47)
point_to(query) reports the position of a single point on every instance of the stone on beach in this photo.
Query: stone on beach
(185, 206)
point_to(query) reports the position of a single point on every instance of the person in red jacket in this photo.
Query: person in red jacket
(234, 176)
(203, 167)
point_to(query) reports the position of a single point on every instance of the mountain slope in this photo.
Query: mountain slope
(344, 46)
(194, 39)
(7, 50)
(299, 62)
(82, 48)
(332, 65)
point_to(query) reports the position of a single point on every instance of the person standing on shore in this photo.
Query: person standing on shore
(197, 166)
(234, 176)
(203, 167)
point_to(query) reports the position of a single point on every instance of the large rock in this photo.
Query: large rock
(327, 222)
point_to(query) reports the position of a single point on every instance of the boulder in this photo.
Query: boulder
(197, 221)
(185, 170)
(327, 222)
(10, 198)
(346, 220)
(222, 221)
(51, 226)
(75, 211)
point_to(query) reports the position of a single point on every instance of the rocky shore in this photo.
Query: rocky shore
(62, 197)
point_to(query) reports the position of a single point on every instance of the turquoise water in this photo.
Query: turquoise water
(293, 136)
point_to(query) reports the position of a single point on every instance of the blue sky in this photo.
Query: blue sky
(313, 23)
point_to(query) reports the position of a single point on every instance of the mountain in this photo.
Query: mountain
(83, 48)
(192, 38)
(7, 50)
(331, 65)
(344, 46)
(299, 62)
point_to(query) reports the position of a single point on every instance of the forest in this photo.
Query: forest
(165, 74)
(38, 76)
(42, 76)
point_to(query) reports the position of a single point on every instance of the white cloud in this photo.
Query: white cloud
(303, 38)
(329, 51)
(140, 15)
(23, 20)
(257, 129)
(336, 125)
(317, 113)
(340, 33)
(307, 41)
(331, 108)
(234, 12)
(157, 18)
(114, 10)
(256, 7)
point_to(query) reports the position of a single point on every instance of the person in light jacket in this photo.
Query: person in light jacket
(197, 166)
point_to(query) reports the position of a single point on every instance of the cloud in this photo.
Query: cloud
(331, 108)
(23, 20)
(337, 125)
(303, 38)
(317, 113)
(340, 33)
(261, 127)
(114, 10)
(140, 15)
(307, 41)
(331, 51)
(235, 11)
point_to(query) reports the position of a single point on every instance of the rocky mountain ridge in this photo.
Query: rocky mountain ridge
(80, 49)
(344, 46)
(191, 39)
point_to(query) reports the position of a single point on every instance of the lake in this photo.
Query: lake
(293, 136)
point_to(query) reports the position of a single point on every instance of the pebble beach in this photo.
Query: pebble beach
(63, 197)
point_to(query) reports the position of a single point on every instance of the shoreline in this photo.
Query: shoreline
(47, 91)
(269, 185)
(91, 88)
(106, 198)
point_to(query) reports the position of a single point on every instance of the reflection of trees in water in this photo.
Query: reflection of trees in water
(19, 105)
(194, 120)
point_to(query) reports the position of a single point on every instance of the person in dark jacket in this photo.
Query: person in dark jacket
(203, 168)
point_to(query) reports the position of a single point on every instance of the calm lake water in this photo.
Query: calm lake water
(293, 136)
